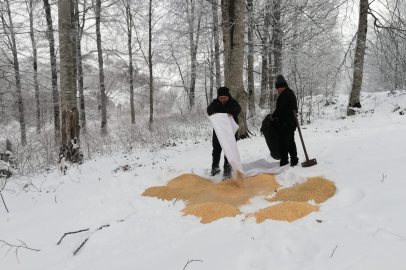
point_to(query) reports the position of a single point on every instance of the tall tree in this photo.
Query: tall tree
(354, 101)
(250, 58)
(80, 24)
(277, 40)
(30, 8)
(233, 13)
(129, 24)
(150, 66)
(193, 44)
(70, 113)
(102, 88)
(8, 26)
(216, 39)
(265, 53)
(54, 71)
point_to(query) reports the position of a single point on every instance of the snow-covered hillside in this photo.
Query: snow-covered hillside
(362, 227)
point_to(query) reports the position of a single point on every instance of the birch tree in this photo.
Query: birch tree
(354, 101)
(103, 98)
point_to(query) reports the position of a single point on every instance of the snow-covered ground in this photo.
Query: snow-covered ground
(362, 227)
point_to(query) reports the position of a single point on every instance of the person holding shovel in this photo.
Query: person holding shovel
(283, 114)
(224, 103)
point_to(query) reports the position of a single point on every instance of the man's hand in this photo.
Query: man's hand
(230, 115)
(272, 119)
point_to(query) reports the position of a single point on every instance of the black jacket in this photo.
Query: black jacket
(231, 106)
(285, 104)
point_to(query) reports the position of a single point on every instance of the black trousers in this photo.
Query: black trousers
(287, 143)
(217, 153)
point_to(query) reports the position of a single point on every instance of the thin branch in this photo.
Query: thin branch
(333, 251)
(71, 233)
(21, 245)
(189, 261)
(4, 202)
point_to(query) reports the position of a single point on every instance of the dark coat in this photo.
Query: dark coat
(285, 104)
(270, 129)
(231, 106)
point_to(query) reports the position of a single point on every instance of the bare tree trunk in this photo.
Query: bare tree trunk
(277, 41)
(151, 78)
(211, 68)
(103, 96)
(214, 7)
(30, 8)
(13, 46)
(79, 61)
(251, 88)
(354, 101)
(129, 20)
(233, 25)
(265, 50)
(54, 71)
(70, 114)
(191, 14)
(272, 92)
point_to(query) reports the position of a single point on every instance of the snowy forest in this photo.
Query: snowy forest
(98, 89)
(144, 71)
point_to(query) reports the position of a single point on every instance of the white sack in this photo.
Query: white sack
(262, 166)
(225, 128)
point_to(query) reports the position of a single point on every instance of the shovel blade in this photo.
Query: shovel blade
(309, 163)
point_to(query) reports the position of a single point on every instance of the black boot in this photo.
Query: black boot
(227, 172)
(214, 171)
(294, 161)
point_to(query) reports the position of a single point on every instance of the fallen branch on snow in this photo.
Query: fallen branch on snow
(189, 261)
(84, 230)
(4, 202)
(17, 247)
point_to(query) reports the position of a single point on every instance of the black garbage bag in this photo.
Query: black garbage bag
(270, 131)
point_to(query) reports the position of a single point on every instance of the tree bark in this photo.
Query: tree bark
(193, 48)
(265, 63)
(233, 12)
(277, 41)
(251, 87)
(214, 7)
(103, 97)
(129, 21)
(54, 72)
(30, 8)
(70, 114)
(354, 101)
(79, 61)
(13, 46)
(151, 78)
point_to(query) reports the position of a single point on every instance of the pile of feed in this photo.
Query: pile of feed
(287, 211)
(211, 211)
(318, 189)
(194, 189)
(211, 201)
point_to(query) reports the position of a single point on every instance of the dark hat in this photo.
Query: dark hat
(280, 82)
(223, 91)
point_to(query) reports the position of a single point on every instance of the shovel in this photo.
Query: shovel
(308, 162)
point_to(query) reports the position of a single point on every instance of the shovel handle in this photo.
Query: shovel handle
(301, 137)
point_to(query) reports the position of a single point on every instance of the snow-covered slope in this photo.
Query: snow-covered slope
(362, 227)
